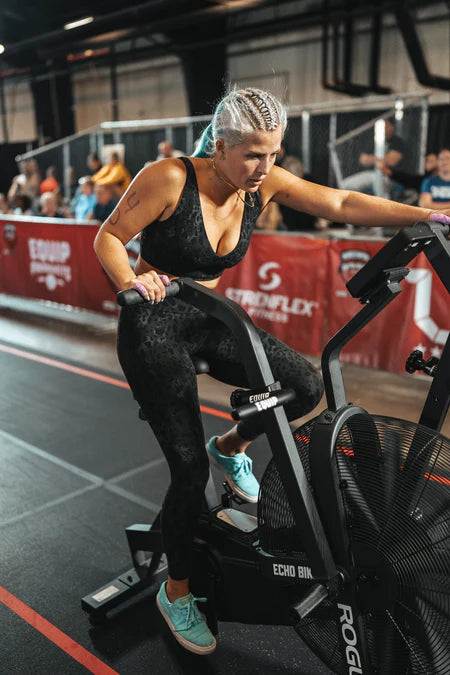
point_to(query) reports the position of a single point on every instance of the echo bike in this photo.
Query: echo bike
(351, 544)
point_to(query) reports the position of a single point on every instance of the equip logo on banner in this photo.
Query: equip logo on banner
(9, 237)
(48, 262)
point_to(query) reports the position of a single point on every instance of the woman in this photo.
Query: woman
(196, 218)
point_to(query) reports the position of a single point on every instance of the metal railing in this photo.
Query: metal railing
(312, 134)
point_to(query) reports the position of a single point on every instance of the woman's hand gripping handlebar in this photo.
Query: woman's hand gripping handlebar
(440, 218)
(150, 285)
(137, 295)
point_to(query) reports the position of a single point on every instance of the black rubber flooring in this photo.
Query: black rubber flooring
(77, 467)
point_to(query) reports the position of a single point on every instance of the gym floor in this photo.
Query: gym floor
(78, 467)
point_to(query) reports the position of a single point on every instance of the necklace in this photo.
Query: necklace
(251, 203)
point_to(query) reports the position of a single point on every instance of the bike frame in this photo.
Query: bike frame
(276, 425)
(377, 284)
(320, 519)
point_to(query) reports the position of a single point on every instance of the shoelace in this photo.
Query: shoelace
(193, 616)
(245, 466)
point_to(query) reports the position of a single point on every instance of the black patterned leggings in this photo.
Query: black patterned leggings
(155, 345)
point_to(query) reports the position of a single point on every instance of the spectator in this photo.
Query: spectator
(25, 183)
(410, 180)
(165, 150)
(86, 200)
(270, 218)
(93, 163)
(294, 221)
(3, 204)
(364, 181)
(22, 206)
(291, 163)
(49, 184)
(50, 207)
(71, 181)
(114, 174)
(435, 190)
(105, 202)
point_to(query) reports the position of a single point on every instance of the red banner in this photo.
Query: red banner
(291, 286)
(282, 284)
(419, 318)
(53, 259)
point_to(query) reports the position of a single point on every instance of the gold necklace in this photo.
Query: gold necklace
(251, 204)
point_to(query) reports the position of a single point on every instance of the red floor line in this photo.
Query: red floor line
(64, 366)
(63, 641)
(91, 374)
(217, 413)
(60, 639)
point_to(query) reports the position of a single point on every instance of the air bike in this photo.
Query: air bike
(351, 544)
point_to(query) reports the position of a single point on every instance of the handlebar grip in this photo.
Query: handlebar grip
(277, 398)
(132, 297)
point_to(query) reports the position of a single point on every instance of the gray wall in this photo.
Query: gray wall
(289, 64)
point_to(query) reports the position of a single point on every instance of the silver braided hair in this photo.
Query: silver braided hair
(241, 112)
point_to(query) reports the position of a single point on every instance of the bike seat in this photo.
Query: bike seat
(201, 365)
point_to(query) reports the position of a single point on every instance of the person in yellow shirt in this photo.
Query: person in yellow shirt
(115, 174)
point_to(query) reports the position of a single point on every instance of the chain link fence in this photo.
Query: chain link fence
(329, 141)
(356, 154)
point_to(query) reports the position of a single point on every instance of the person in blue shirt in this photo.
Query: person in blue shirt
(105, 202)
(435, 190)
(85, 199)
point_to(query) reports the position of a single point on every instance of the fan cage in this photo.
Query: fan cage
(394, 478)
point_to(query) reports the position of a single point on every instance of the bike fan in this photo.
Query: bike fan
(398, 510)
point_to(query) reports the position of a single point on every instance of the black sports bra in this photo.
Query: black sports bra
(179, 245)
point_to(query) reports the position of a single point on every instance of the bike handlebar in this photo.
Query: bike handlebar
(132, 297)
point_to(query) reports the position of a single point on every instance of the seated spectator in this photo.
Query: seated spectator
(165, 150)
(49, 184)
(93, 163)
(22, 206)
(50, 207)
(291, 163)
(4, 208)
(435, 190)
(364, 181)
(270, 218)
(114, 174)
(105, 202)
(71, 181)
(84, 203)
(294, 221)
(410, 180)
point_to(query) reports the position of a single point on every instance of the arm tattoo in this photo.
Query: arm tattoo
(115, 217)
(132, 202)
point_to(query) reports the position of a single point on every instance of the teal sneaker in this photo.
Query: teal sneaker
(238, 471)
(185, 622)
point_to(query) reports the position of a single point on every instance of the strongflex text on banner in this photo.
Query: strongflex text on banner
(275, 307)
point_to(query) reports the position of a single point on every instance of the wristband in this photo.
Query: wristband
(440, 218)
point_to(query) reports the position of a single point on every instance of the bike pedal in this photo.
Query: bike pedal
(229, 496)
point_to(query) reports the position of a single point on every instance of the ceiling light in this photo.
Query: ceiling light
(80, 22)
(2, 49)
(238, 4)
